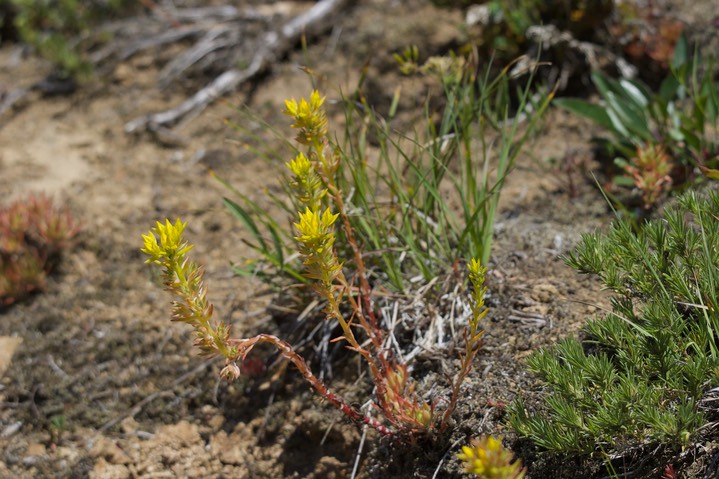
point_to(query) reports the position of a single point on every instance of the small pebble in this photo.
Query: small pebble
(11, 429)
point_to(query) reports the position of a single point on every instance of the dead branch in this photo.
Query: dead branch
(164, 38)
(222, 13)
(272, 46)
(218, 37)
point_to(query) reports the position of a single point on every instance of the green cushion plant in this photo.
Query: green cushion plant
(641, 372)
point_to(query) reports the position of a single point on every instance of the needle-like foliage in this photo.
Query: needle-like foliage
(642, 372)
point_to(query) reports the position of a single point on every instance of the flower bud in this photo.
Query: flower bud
(230, 372)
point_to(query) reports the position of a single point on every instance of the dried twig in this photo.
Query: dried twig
(526, 318)
(216, 38)
(7, 100)
(170, 36)
(358, 456)
(272, 46)
(148, 399)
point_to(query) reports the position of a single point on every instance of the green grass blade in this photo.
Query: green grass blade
(240, 213)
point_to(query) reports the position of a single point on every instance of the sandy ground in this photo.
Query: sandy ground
(98, 351)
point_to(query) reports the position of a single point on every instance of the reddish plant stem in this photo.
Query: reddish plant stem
(464, 370)
(367, 320)
(377, 371)
(244, 346)
(359, 262)
(378, 362)
(375, 331)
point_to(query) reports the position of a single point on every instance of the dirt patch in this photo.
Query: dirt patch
(103, 385)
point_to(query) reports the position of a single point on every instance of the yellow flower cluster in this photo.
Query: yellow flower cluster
(488, 459)
(171, 244)
(316, 235)
(184, 278)
(308, 186)
(477, 274)
(316, 229)
(309, 118)
(316, 239)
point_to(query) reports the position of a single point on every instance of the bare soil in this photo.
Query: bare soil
(103, 385)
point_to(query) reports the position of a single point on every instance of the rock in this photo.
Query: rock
(478, 15)
(227, 450)
(11, 429)
(8, 345)
(329, 468)
(216, 422)
(69, 454)
(103, 470)
(182, 434)
(107, 449)
(129, 425)
(544, 292)
(35, 449)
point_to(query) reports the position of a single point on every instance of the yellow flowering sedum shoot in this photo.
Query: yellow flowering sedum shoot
(489, 459)
(477, 274)
(472, 334)
(315, 188)
(170, 246)
(313, 182)
(315, 243)
(309, 118)
(167, 248)
(307, 184)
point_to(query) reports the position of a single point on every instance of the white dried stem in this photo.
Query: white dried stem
(273, 45)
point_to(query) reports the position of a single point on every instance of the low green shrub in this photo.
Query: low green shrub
(642, 370)
(56, 27)
(418, 202)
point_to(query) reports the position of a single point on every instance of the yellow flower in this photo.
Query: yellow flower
(170, 245)
(488, 459)
(315, 228)
(309, 117)
(316, 239)
(307, 183)
(300, 166)
(305, 110)
(477, 274)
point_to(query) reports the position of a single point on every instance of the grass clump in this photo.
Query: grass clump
(419, 202)
(640, 374)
